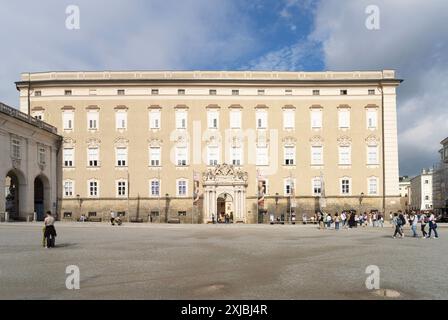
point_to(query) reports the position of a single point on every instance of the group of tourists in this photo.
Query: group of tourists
(348, 219)
(400, 219)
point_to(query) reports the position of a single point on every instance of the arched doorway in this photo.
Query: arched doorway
(14, 193)
(224, 208)
(41, 197)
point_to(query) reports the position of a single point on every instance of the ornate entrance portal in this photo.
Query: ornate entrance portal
(224, 193)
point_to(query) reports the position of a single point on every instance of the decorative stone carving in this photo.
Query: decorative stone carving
(289, 140)
(372, 140)
(15, 163)
(213, 139)
(69, 142)
(344, 141)
(224, 171)
(121, 142)
(93, 142)
(316, 141)
(235, 142)
(155, 142)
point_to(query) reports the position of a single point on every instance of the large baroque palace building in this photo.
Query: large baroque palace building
(195, 145)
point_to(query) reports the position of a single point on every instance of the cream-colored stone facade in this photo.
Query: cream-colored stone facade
(28, 166)
(332, 135)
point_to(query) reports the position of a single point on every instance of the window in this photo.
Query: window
(260, 92)
(67, 214)
(289, 186)
(37, 93)
(372, 186)
(343, 92)
(181, 156)
(69, 188)
(181, 119)
(317, 156)
(68, 120)
(93, 188)
(181, 188)
(265, 186)
(155, 188)
(372, 119)
(154, 119)
(426, 181)
(154, 92)
(288, 92)
(262, 119)
(426, 197)
(212, 119)
(235, 92)
(121, 155)
(181, 91)
(289, 155)
(344, 118)
(68, 92)
(262, 156)
(236, 156)
(92, 214)
(120, 92)
(316, 119)
(212, 92)
(39, 115)
(371, 92)
(69, 157)
(93, 157)
(154, 156)
(288, 119)
(92, 120)
(317, 186)
(15, 148)
(345, 186)
(235, 119)
(182, 213)
(212, 155)
(345, 155)
(121, 188)
(316, 92)
(121, 119)
(92, 92)
(372, 155)
(41, 154)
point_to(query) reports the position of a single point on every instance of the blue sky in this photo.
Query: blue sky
(257, 35)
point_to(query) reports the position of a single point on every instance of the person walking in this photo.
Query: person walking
(414, 219)
(380, 220)
(113, 215)
(396, 221)
(336, 221)
(432, 226)
(343, 219)
(423, 222)
(49, 231)
(329, 220)
(402, 222)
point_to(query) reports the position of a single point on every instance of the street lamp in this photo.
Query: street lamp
(361, 196)
(166, 207)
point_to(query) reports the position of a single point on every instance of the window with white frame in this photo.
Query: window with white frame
(317, 186)
(288, 119)
(345, 186)
(68, 157)
(344, 118)
(41, 154)
(181, 119)
(345, 155)
(68, 120)
(212, 119)
(372, 118)
(154, 119)
(316, 118)
(317, 155)
(93, 157)
(182, 188)
(236, 154)
(122, 186)
(372, 155)
(154, 187)
(39, 115)
(92, 120)
(121, 119)
(372, 186)
(121, 156)
(69, 188)
(212, 155)
(15, 148)
(289, 153)
(155, 156)
(288, 186)
(93, 188)
(262, 119)
(181, 156)
(235, 119)
(262, 156)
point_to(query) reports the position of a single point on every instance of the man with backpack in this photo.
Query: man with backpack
(402, 221)
(432, 226)
(397, 222)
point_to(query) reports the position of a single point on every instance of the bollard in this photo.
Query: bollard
(6, 216)
(34, 216)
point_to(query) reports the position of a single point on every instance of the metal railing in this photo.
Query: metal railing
(27, 118)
